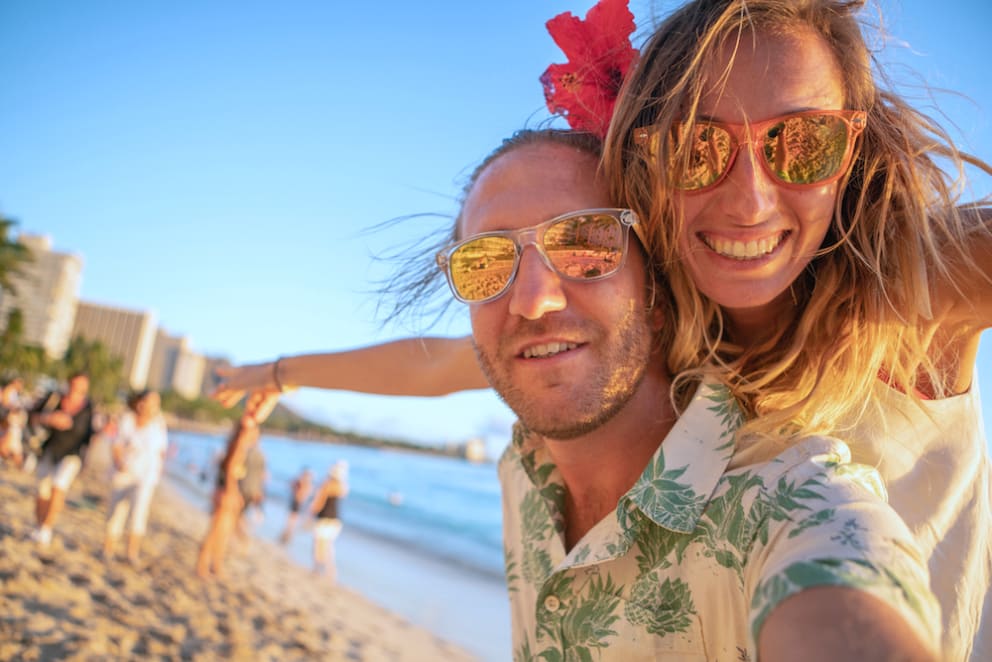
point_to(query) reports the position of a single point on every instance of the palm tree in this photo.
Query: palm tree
(105, 370)
(13, 254)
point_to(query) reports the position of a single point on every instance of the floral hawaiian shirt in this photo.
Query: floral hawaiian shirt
(696, 556)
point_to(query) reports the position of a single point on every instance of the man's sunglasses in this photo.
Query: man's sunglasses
(798, 149)
(582, 245)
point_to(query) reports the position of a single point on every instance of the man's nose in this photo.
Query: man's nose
(537, 289)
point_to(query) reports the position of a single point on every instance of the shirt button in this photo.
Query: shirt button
(551, 603)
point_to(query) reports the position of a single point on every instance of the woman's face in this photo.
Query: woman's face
(148, 406)
(747, 239)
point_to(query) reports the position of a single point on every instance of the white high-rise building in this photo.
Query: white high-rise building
(46, 293)
(128, 334)
(176, 367)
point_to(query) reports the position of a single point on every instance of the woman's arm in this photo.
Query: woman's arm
(412, 366)
(962, 303)
(968, 286)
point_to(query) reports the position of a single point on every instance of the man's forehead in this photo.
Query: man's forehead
(532, 184)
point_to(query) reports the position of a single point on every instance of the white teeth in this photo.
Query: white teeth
(548, 349)
(744, 251)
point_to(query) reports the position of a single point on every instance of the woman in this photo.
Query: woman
(856, 311)
(227, 500)
(138, 453)
(324, 508)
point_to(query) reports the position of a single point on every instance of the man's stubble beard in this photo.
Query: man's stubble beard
(594, 402)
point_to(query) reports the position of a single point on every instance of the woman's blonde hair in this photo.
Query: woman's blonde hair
(863, 304)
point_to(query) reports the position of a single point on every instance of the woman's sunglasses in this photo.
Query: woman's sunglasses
(582, 245)
(798, 149)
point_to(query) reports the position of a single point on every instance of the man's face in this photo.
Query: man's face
(565, 356)
(79, 386)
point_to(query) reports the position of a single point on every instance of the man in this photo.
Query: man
(620, 546)
(68, 420)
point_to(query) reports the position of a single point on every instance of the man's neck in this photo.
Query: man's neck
(599, 467)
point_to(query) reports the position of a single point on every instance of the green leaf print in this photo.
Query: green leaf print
(731, 416)
(536, 564)
(543, 473)
(659, 493)
(588, 624)
(661, 607)
(523, 654)
(581, 554)
(533, 517)
(849, 536)
(510, 566)
(726, 512)
(555, 493)
(788, 495)
(814, 520)
(655, 544)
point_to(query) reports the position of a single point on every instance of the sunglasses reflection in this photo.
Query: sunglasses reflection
(581, 248)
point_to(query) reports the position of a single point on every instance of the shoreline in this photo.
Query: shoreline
(67, 601)
(467, 452)
(457, 601)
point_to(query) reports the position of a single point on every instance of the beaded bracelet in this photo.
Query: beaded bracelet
(275, 375)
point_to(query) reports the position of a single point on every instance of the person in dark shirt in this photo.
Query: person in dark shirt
(325, 509)
(252, 484)
(299, 492)
(68, 419)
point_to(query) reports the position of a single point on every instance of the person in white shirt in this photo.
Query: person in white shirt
(138, 453)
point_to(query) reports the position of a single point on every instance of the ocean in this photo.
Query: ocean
(444, 506)
(431, 522)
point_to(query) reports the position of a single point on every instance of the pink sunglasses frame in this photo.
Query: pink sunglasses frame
(855, 120)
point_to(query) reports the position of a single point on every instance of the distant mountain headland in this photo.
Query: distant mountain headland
(208, 417)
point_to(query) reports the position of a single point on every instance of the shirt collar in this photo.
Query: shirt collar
(678, 481)
(680, 478)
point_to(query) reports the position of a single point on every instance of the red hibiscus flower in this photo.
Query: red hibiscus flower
(585, 89)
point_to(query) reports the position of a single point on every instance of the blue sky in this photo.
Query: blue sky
(220, 163)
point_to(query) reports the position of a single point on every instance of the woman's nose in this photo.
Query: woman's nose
(752, 195)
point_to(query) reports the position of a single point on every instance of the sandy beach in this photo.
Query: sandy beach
(67, 603)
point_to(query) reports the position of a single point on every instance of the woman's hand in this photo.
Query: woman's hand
(237, 380)
(259, 405)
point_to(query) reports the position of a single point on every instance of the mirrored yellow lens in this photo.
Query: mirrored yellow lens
(481, 268)
(806, 149)
(583, 247)
(699, 154)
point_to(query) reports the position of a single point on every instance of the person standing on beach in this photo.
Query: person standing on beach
(327, 527)
(228, 503)
(138, 454)
(299, 492)
(13, 418)
(67, 419)
(252, 486)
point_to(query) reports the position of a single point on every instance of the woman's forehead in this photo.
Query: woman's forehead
(763, 75)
